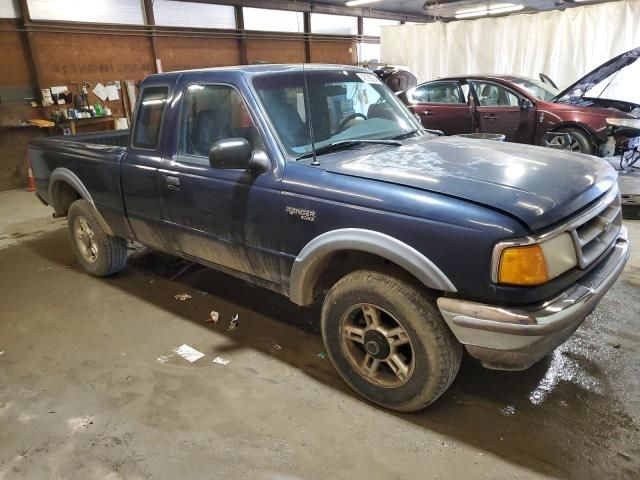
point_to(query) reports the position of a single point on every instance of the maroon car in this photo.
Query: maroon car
(531, 111)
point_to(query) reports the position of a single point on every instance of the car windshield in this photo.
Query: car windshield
(538, 89)
(345, 105)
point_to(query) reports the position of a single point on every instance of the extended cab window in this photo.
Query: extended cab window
(442, 92)
(211, 113)
(494, 95)
(149, 117)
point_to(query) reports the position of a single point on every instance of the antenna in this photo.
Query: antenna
(307, 104)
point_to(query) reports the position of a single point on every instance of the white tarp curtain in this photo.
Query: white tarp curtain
(563, 44)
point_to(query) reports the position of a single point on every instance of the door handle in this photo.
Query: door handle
(173, 183)
(426, 113)
(490, 116)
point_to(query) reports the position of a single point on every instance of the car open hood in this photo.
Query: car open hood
(594, 77)
(539, 186)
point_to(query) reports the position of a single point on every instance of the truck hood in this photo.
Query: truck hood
(539, 186)
(594, 77)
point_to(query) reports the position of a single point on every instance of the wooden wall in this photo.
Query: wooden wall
(275, 51)
(184, 53)
(68, 58)
(344, 52)
(15, 62)
(16, 70)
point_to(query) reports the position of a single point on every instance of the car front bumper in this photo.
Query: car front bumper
(505, 338)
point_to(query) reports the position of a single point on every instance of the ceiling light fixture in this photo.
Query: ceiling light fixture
(505, 8)
(493, 9)
(356, 3)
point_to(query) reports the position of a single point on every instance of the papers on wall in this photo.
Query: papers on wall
(46, 97)
(112, 92)
(100, 91)
(59, 90)
(121, 124)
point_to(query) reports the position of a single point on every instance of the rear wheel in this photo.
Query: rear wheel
(388, 341)
(100, 254)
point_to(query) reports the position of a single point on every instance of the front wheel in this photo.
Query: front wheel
(580, 142)
(100, 254)
(388, 341)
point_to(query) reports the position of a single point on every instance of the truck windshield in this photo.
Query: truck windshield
(344, 105)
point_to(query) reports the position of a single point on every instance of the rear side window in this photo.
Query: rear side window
(149, 118)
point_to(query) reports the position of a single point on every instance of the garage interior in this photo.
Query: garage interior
(91, 385)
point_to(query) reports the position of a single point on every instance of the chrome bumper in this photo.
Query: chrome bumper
(515, 338)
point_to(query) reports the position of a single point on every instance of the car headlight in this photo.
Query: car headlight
(624, 122)
(533, 264)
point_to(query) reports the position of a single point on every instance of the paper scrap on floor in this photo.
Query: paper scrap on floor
(221, 361)
(188, 353)
(185, 351)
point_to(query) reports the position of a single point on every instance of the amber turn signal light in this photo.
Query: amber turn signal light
(523, 266)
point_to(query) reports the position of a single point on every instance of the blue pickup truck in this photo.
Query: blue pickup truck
(316, 182)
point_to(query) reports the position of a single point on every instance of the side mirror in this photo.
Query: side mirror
(526, 104)
(236, 153)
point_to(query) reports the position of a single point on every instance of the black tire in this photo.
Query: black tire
(109, 254)
(435, 353)
(581, 143)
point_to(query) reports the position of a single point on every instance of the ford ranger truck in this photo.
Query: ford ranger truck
(316, 182)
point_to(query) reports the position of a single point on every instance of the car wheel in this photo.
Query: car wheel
(100, 254)
(580, 141)
(388, 341)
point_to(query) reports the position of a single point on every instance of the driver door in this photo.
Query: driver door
(227, 217)
(501, 110)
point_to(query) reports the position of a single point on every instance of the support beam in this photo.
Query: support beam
(242, 39)
(33, 49)
(317, 8)
(150, 22)
(307, 38)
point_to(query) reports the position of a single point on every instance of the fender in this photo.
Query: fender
(64, 175)
(309, 263)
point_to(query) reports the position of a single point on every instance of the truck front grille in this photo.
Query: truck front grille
(599, 229)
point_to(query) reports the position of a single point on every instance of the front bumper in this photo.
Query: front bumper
(515, 338)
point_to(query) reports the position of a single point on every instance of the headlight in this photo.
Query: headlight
(624, 122)
(536, 263)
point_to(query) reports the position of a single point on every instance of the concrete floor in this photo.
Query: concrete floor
(84, 396)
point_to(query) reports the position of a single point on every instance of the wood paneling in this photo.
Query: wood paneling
(73, 57)
(68, 58)
(184, 53)
(275, 51)
(343, 52)
(13, 164)
(15, 59)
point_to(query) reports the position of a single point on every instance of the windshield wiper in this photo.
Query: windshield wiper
(335, 146)
(410, 133)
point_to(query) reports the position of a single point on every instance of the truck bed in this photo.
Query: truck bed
(115, 138)
(94, 159)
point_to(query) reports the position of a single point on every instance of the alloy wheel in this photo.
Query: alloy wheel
(85, 239)
(377, 346)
